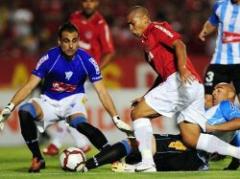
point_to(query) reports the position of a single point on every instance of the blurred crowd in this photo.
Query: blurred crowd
(28, 27)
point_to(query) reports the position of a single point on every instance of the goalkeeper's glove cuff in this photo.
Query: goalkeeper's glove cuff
(10, 106)
(121, 124)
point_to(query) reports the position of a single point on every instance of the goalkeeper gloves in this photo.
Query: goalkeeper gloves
(121, 125)
(5, 113)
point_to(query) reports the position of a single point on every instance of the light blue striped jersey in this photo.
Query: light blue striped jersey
(226, 16)
(223, 112)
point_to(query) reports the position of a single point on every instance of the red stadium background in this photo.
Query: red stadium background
(125, 72)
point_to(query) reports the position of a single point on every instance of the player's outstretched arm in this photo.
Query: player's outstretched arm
(20, 95)
(108, 104)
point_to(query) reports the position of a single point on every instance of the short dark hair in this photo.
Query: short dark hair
(68, 26)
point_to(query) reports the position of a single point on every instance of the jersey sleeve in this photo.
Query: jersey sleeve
(229, 110)
(92, 69)
(165, 34)
(213, 19)
(42, 66)
(105, 38)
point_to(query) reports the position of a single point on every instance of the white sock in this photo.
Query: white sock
(143, 132)
(80, 140)
(59, 134)
(212, 144)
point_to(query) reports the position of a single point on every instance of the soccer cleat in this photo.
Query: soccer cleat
(122, 167)
(142, 167)
(51, 150)
(37, 165)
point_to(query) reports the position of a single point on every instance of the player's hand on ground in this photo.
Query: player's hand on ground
(186, 76)
(121, 125)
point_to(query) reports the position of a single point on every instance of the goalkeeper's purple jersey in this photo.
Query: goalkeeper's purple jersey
(64, 77)
(223, 112)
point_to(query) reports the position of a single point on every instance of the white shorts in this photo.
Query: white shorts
(54, 110)
(183, 102)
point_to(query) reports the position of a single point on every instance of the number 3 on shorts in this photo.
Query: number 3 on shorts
(209, 76)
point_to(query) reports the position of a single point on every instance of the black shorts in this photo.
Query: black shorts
(172, 155)
(217, 73)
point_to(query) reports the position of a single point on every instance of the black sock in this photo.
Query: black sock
(29, 133)
(96, 137)
(107, 155)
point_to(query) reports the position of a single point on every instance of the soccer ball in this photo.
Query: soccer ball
(73, 159)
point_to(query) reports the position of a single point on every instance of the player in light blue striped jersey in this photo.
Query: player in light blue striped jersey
(225, 63)
(224, 117)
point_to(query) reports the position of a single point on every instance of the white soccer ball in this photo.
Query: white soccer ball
(73, 159)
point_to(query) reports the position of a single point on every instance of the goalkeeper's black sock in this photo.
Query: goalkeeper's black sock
(95, 136)
(29, 133)
(107, 155)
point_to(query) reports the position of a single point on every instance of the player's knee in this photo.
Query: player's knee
(77, 121)
(27, 110)
(189, 139)
(190, 133)
(135, 114)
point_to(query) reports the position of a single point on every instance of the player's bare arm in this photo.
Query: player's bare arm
(108, 104)
(105, 98)
(25, 90)
(224, 127)
(18, 98)
(180, 49)
(207, 29)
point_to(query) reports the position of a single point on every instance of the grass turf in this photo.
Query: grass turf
(14, 163)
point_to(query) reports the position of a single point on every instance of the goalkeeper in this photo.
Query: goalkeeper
(170, 154)
(64, 69)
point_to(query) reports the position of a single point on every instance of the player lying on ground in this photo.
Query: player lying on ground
(224, 117)
(169, 153)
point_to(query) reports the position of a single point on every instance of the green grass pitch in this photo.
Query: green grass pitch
(14, 162)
